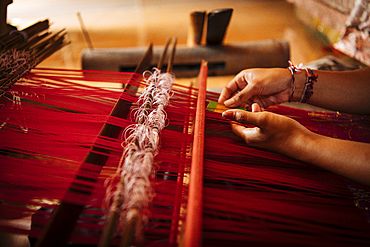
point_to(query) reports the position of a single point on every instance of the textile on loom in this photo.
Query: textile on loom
(49, 120)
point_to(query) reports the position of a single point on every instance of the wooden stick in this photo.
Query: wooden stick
(161, 59)
(193, 220)
(64, 219)
(84, 31)
(172, 56)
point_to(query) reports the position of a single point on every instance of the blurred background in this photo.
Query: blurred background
(128, 23)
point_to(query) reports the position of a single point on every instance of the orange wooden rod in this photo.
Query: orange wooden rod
(193, 220)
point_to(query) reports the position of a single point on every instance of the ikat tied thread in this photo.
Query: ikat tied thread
(133, 194)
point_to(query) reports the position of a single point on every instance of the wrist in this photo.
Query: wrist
(300, 84)
(296, 79)
(302, 143)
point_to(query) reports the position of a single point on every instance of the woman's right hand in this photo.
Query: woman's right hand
(263, 86)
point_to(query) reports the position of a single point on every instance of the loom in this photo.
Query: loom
(250, 196)
(62, 139)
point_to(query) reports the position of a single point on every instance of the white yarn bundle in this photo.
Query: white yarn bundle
(134, 193)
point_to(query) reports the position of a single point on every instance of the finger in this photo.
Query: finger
(243, 117)
(235, 85)
(240, 98)
(237, 99)
(225, 94)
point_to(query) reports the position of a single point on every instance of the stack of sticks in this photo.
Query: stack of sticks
(20, 51)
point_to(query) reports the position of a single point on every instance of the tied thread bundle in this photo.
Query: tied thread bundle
(20, 51)
(14, 65)
(132, 195)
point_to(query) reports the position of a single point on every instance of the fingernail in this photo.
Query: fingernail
(228, 114)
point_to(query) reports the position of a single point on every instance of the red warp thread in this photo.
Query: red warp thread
(250, 196)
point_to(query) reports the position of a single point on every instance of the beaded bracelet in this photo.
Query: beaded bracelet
(293, 70)
(308, 89)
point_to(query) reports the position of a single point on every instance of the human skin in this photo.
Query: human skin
(286, 136)
(344, 91)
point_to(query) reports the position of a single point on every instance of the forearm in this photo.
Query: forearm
(286, 136)
(346, 91)
(347, 158)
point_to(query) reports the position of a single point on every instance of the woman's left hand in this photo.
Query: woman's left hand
(272, 131)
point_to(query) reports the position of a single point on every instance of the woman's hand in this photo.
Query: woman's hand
(263, 86)
(284, 135)
(272, 131)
